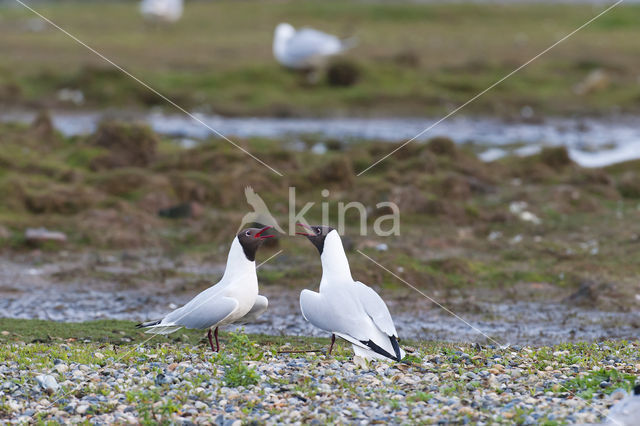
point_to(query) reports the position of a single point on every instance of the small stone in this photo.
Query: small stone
(360, 362)
(595, 81)
(466, 411)
(4, 232)
(618, 394)
(62, 368)
(324, 387)
(99, 355)
(162, 379)
(42, 234)
(47, 383)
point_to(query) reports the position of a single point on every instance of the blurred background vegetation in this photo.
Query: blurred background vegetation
(126, 189)
(411, 59)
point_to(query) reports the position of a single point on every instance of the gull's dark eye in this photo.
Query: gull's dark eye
(247, 233)
(318, 231)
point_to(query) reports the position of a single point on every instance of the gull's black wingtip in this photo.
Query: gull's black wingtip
(396, 347)
(636, 390)
(377, 349)
(148, 324)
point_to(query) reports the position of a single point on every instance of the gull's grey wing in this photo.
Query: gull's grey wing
(312, 310)
(308, 42)
(202, 312)
(375, 307)
(311, 36)
(338, 313)
(259, 307)
(333, 317)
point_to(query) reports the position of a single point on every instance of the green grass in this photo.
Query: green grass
(116, 332)
(42, 331)
(237, 373)
(216, 58)
(602, 380)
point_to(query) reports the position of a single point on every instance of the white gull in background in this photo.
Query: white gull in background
(305, 48)
(234, 299)
(346, 308)
(166, 11)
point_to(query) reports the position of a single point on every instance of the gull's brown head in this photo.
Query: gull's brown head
(251, 239)
(316, 234)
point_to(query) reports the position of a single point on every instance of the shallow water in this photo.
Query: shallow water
(63, 291)
(592, 142)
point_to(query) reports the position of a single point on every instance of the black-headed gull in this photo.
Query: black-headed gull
(234, 299)
(161, 10)
(347, 308)
(305, 48)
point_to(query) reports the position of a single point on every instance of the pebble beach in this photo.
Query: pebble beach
(480, 161)
(248, 382)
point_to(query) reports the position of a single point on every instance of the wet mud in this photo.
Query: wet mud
(90, 287)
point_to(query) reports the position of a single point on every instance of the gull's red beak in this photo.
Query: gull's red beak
(262, 237)
(306, 234)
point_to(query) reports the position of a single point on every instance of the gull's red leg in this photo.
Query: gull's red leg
(333, 340)
(217, 343)
(211, 341)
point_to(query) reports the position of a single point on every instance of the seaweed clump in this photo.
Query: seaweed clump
(128, 145)
(555, 157)
(343, 73)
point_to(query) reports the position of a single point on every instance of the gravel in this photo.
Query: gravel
(184, 384)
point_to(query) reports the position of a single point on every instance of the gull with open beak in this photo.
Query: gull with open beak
(234, 299)
(346, 308)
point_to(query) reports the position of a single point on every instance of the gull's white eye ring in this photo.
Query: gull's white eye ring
(247, 233)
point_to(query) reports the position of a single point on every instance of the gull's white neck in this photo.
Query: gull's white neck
(335, 266)
(237, 262)
(279, 49)
(280, 40)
